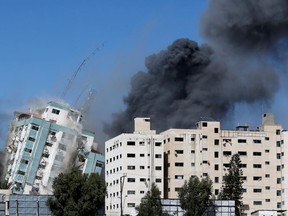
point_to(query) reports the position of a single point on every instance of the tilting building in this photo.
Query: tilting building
(44, 142)
(203, 151)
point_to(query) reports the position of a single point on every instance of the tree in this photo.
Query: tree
(194, 195)
(232, 183)
(77, 194)
(151, 203)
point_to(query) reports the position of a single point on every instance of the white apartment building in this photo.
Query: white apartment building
(133, 162)
(206, 151)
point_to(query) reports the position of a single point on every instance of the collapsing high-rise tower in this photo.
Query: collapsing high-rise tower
(45, 142)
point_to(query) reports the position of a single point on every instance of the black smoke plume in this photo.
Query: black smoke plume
(256, 26)
(186, 82)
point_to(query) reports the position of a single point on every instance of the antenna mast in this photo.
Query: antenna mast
(68, 86)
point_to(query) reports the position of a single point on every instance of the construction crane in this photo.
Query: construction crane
(70, 81)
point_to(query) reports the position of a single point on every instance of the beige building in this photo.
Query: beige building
(206, 151)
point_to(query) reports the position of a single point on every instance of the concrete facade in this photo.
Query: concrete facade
(206, 151)
(44, 142)
(203, 151)
(133, 162)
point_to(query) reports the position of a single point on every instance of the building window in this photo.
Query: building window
(267, 187)
(177, 189)
(216, 142)
(278, 168)
(158, 143)
(158, 180)
(20, 172)
(24, 161)
(205, 174)
(216, 192)
(130, 205)
(179, 176)
(142, 179)
(256, 153)
(142, 192)
(258, 166)
(243, 178)
(142, 155)
(257, 141)
(216, 154)
(204, 136)
(267, 138)
(142, 167)
(179, 151)
(227, 153)
(216, 179)
(267, 151)
(32, 139)
(267, 162)
(243, 165)
(257, 203)
(216, 130)
(158, 168)
(35, 127)
(242, 153)
(130, 155)
(257, 190)
(278, 180)
(130, 143)
(179, 139)
(56, 111)
(278, 192)
(267, 175)
(278, 155)
(204, 124)
(205, 149)
(131, 192)
(193, 164)
(179, 164)
(279, 205)
(278, 132)
(241, 140)
(130, 179)
(278, 144)
(267, 200)
(131, 167)
(158, 156)
(244, 190)
(216, 167)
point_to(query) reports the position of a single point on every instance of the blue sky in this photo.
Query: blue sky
(42, 43)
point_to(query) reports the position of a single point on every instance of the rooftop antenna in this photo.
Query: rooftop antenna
(68, 86)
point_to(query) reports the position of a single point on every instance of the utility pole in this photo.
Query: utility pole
(121, 193)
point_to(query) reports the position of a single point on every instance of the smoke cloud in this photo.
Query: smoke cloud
(254, 26)
(247, 42)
